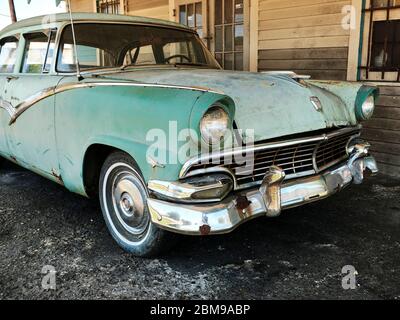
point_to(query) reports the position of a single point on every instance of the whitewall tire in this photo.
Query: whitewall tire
(123, 198)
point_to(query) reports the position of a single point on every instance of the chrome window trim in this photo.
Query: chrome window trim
(210, 157)
(16, 36)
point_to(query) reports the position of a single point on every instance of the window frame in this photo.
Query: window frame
(50, 32)
(115, 5)
(63, 27)
(17, 37)
(371, 15)
(223, 26)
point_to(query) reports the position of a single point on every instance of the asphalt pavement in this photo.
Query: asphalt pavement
(299, 255)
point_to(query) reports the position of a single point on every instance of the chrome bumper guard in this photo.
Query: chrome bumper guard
(274, 196)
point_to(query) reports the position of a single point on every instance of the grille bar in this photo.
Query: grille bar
(307, 157)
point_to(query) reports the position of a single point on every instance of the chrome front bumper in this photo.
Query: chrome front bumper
(274, 195)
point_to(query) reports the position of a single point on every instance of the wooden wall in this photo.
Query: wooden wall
(383, 130)
(146, 8)
(305, 36)
(83, 5)
(158, 9)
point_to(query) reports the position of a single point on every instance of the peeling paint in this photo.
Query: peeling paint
(57, 176)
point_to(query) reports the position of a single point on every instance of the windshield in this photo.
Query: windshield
(121, 45)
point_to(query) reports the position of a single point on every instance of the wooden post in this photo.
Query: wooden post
(12, 11)
(253, 51)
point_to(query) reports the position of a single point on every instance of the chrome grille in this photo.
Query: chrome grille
(332, 151)
(298, 158)
(293, 160)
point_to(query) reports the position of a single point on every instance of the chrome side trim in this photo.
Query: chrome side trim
(210, 157)
(7, 106)
(46, 93)
(29, 102)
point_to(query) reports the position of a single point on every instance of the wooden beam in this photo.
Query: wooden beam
(171, 11)
(354, 43)
(254, 28)
(12, 11)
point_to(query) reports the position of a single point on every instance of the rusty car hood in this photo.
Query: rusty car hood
(271, 105)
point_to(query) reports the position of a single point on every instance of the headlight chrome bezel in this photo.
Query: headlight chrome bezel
(368, 107)
(366, 103)
(216, 137)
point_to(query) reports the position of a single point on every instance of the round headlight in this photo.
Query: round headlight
(214, 125)
(368, 107)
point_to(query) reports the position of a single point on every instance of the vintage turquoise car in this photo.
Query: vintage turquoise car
(138, 113)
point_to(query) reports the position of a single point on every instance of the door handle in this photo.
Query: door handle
(10, 78)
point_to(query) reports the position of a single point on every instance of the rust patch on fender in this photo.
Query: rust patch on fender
(205, 230)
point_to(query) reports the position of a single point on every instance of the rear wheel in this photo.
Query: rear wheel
(123, 198)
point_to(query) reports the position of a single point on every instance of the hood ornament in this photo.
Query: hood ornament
(316, 103)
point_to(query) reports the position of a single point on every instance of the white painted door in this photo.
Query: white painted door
(193, 13)
(230, 26)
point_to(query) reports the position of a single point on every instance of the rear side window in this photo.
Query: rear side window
(8, 54)
(39, 51)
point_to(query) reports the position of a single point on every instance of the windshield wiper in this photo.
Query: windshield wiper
(123, 67)
(190, 64)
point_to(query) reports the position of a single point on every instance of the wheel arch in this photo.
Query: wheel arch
(96, 154)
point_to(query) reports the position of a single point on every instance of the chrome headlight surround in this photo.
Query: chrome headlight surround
(215, 124)
(365, 102)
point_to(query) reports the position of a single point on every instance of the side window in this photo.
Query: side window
(8, 54)
(89, 57)
(39, 52)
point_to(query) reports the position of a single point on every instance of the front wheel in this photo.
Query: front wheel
(123, 198)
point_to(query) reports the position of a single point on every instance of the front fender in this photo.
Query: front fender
(350, 93)
(129, 118)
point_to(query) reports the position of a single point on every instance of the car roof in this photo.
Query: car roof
(65, 17)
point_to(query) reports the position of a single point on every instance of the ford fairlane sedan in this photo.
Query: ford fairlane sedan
(138, 113)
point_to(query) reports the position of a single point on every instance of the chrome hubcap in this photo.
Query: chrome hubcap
(129, 203)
